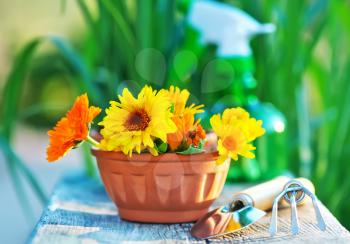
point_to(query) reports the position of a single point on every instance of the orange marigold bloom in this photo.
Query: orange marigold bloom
(71, 129)
(183, 124)
(188, 132)
(196, 135)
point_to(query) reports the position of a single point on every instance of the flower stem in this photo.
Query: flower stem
(92, 141)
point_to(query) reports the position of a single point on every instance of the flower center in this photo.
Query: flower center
(192, 134)
(137, 120)
(229, 143)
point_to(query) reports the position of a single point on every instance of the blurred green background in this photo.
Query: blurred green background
(301, 76)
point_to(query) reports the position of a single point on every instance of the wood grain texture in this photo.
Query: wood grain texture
(80, 212)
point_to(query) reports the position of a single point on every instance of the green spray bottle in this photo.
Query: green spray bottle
(227, 80)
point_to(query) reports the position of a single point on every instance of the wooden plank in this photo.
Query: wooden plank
(80, 211)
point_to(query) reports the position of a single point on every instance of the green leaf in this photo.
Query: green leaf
(122, 29)
(85, 83)
(16, 166)
(161, 146)
(88, 17)
(193, 150)
(14, 86)
(121, 23)
(22, 167)
(145, 23)
(16, 180)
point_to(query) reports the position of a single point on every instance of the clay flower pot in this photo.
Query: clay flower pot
(169, 188)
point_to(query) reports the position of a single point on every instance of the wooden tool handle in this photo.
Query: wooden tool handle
(263, 195)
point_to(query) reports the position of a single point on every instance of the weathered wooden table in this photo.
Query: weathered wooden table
(81, 212)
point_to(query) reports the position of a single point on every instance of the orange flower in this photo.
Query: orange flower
(183, 124)
(196, 135)
(71, 129)
(188, 132)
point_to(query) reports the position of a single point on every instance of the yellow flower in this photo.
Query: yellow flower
(235, 130)
(179, 100)
(189, 132)
(134, 123)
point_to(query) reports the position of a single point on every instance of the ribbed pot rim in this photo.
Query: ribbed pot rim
(147, 157)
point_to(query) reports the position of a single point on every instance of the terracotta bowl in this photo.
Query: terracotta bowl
(170, 188)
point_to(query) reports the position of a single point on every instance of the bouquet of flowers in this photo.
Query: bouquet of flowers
(156, 122)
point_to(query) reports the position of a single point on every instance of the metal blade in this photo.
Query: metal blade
(294, 214)
(223, 221)
(273, 223)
